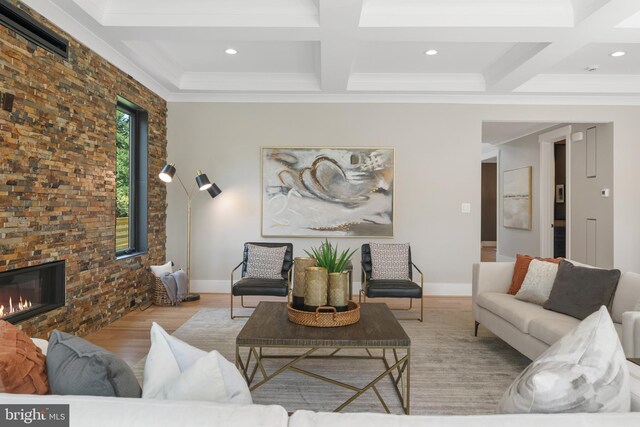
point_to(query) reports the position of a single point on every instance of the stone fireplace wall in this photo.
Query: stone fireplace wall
(57, 179)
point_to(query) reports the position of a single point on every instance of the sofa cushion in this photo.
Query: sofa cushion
(518, 313)
(627, 296)
(552, 327)
(584, 371)
(76, 366)
(22, 364)
(520, 270)
(580, 291)
(538, 282)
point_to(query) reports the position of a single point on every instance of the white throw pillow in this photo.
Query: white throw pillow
(161, 270)
(175, 370)
(584, 371)
(538, 282)
(389, 261)
(41, 344)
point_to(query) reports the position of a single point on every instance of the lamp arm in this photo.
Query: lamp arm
(182, 184)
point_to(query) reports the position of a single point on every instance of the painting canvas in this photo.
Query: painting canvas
(331, 192)
(516, 198)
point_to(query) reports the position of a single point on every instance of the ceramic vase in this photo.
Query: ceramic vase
(299, 266)
(339, 290)
(315, 291)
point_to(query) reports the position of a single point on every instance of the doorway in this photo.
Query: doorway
(488, 210)
(559, 205)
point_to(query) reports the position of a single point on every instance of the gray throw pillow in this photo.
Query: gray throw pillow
(389, 261)
(580, 291)
(75, 366)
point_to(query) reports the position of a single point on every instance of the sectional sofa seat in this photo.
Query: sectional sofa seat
(531, 329)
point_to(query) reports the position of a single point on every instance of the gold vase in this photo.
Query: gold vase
(299, 266)
(339, 290)
(315, 289)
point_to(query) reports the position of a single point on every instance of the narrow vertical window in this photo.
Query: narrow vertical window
(124, 197)
(131, 179)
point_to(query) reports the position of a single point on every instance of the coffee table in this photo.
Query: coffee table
(378, 334)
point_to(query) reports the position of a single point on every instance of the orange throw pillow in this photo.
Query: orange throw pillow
(521, 268)
(22, 364)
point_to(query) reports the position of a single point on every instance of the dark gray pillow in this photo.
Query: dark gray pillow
(75, 366)
(580, 291)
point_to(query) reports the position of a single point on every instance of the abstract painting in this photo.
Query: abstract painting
(329, 192)
(516, 198)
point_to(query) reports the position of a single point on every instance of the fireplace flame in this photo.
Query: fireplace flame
(21, 306)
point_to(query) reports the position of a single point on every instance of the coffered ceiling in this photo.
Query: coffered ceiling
(521, 51)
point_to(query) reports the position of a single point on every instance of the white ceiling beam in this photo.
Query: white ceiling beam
(600, 20)
(339, 20)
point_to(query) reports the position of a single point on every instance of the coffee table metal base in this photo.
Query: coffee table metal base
(396, 368)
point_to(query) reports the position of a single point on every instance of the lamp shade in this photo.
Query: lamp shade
(167, 172)
(214, 190)
(203, 181)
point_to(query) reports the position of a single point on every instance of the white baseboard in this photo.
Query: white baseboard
(488, 243)
(503, 258)
(440, 289)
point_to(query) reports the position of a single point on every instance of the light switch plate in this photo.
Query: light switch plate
(465, 208)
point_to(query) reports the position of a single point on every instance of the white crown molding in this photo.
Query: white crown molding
(70, 25)
(437, 82)
(250, 81)
(323, 98)
(582, 83)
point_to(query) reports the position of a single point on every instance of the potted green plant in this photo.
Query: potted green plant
(328, 257)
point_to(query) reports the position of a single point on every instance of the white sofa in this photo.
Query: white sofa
(88, 411)
(531, 329)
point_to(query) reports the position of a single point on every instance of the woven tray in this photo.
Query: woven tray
(325, 317)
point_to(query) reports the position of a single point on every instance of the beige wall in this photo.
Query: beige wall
(437, 169)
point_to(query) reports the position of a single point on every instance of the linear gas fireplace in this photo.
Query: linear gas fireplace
(27, 292)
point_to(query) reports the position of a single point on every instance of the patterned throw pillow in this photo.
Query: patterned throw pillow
(584, 371)
(264, 262)
(22, 364)
(389, 261)
(520, 270)
(538, 282)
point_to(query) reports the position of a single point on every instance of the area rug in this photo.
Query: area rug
(452, 372)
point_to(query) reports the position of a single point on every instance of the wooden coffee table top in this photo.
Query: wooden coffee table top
(269, 326)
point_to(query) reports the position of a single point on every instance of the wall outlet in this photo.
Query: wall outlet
(604, 192)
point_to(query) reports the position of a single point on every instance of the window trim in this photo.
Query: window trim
(138, 169)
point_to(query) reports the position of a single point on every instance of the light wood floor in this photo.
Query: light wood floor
(488, 254)
(128, 337)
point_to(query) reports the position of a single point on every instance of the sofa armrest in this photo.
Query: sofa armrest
(631, 333)
(490, 277)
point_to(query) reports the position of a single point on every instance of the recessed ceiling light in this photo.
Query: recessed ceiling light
(431, 52)
(230, 51)
(618, 53)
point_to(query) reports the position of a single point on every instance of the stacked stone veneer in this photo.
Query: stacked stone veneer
(57, 178)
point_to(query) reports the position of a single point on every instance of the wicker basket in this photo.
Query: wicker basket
(160, 296)
(325, 319)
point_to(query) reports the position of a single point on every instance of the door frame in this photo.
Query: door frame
(547, 189)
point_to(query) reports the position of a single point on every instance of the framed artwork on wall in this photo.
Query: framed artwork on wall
(516, 198)
(328, 191)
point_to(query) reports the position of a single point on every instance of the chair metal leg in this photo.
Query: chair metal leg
(475, 333)
(232, 305)
(421, 308)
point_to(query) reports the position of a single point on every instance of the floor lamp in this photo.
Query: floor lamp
(202, 183)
